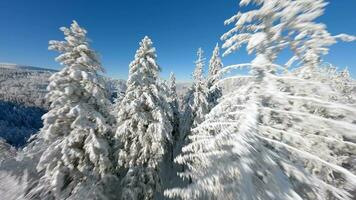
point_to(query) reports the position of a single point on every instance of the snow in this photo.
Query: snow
(144, 129)
(280, 132)
(76, 124)
(256, 40)
(346, 37)
(215, 65)
(13, 66)
(266, 136)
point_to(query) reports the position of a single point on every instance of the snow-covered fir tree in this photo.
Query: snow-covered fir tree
(185, 121)
(215, 65)
(346, 84)
(164, 88)
(173, 101)
(165, 93)
(144, 129)
(200, 101)
(279, 136)
(196, 100)
(78, 158)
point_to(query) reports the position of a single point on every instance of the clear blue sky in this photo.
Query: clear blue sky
(177, 28)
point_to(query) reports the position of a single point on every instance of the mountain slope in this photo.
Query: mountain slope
(23, 102)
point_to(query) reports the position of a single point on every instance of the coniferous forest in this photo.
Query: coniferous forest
(282, 131)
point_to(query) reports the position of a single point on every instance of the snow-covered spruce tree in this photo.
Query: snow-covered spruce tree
(165, 93)
(200, 101)
(164, 89)
(343, 83)
(215, 66)
(196, 101)
(75, 129)
(144, 129)
(185, 121)
(173, 101)
(346, 84)
(277, 137)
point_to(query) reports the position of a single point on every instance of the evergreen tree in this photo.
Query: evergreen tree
(279, 136)
(215, 65)
(144, 129)
(340, 81)
(196, 102)
(200, 102)
(164, 88)
(173, 101)
(75, 127)
(185, 122)
(345, 84)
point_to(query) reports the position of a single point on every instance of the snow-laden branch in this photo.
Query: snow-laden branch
(344, 125)
(350, 176)
(345, 37)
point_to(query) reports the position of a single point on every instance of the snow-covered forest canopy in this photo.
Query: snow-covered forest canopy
(283, 131)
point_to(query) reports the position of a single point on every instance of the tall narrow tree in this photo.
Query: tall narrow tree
(173, 101)
(200, 101)
(143, 129)
(346, 84)
(215, 65)
(196, 102)
(75, 127)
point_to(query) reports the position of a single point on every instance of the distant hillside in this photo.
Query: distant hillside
(23, 85)
(26, 85)
(23, 102)
(11, 66)
(18, 122)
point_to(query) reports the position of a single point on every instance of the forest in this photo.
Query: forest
(282, 131)
(23, 100)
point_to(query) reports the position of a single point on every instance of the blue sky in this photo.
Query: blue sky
(177, 28)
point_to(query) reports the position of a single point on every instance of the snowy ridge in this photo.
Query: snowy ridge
(24, 67)
(27, 85)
